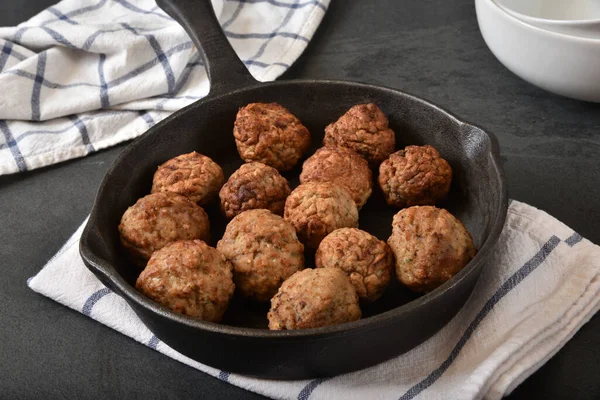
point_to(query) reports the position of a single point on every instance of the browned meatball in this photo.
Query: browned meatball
(416, 175)
(314, 298)
(316, 209)
(365, 129)
(192, 175)
(269, 133)
(190, 278)
(430, 245)
(366, 260)
(254, 185)
(343, 167)
(264, 251)
(158, 219)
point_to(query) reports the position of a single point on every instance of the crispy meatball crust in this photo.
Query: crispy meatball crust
(190, 278)
(269, 133)
(430, 245)
(192, 175)
(367, 261)
(316, 209)
(416, 175)
(264, 251)
(313, 298)
(254, 185)
(365, 129)
(158, 219)
(343, 167)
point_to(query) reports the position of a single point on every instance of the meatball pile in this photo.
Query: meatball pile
(274, 233)
(254, 185)
(270, 134)
(342, 167)
(264, 251)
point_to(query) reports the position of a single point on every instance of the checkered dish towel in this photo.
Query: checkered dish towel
(84, 75)
(540, 285)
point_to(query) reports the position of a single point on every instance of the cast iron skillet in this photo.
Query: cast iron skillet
(241, 344)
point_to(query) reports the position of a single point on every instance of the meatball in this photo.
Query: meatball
(316, 209)
(190, 278)
(430, 245)
(264, 251)
(158, 219)
(314, 298)
(192, 175)
(366, 260)
(364, 129)
(254, 185)
(270, 134)
(416, 175)
(343, 167)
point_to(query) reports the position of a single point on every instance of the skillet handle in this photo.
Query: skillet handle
(224, 68)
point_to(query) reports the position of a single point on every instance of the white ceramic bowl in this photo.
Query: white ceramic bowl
(560, 10)
(571, 17)
(561, 64)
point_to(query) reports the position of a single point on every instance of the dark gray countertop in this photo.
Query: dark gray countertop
(431, 48)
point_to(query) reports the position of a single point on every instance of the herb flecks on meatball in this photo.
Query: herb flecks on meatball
(190, 278)
(264, 251)
(416, 175)
(430, 246)
(192, 175)
(343, 167)
(270, 134)
(253, 186)
(314, 298)
(366, 260)
(316, 209)
(159, 219)
(365, 129)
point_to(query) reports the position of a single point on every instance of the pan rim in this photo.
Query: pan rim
(129, 294)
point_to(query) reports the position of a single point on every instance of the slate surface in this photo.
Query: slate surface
(431, 48)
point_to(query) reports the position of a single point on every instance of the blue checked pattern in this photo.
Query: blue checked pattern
(540, 285)
(84, 75)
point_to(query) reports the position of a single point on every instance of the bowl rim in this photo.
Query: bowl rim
(553, 21)
(539, 30)
(131, 295)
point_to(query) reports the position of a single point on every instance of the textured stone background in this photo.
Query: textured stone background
(431, 48)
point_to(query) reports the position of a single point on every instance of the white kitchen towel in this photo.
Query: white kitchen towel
(84, 75)
(540, 285)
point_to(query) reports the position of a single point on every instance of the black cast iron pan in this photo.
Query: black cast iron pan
(242, 344)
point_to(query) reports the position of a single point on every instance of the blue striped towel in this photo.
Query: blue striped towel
(541, 284)
(84, 75)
